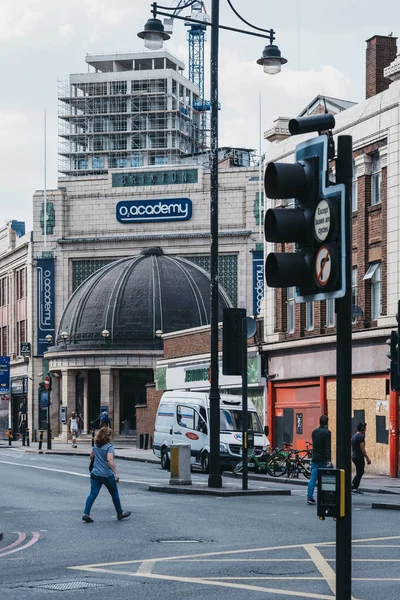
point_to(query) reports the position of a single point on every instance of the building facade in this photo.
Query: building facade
(129, 110)
(300, 338)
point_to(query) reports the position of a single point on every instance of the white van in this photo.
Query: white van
(183, 417)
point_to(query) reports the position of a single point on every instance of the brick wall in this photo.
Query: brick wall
(381, 51)
(146, 414)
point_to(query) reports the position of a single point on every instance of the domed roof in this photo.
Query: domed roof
(132, 298)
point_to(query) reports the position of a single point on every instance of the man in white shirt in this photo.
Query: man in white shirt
(73, 427)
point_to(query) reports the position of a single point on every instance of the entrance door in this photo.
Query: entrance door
(94, 399)
(132, 391)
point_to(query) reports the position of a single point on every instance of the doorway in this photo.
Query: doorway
(132, 391)
(94, 399)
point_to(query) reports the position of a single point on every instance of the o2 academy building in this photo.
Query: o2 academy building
(126, 259)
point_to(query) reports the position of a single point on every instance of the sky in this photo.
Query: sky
(43, 41)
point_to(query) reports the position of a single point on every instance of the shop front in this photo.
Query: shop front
(19, 405)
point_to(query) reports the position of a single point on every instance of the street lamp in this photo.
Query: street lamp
(49, 338)
(105, 334)
(271, 61)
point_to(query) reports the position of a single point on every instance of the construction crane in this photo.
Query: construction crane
(195, 37)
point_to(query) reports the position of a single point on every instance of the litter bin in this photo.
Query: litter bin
(180, 465)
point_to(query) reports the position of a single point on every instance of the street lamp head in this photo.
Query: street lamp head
(49, 338)
(153, 34)
(105, 333)
(159, 333)
(271, 60)
(65, 335)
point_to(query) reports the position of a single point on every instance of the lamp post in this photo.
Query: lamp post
(271, 60)
(49, 339)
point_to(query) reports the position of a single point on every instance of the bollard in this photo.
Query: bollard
(180, 465)
(9, 435)
(27, 436)
(49, 439)
(93, 432)
(146, 441)
(40, 439)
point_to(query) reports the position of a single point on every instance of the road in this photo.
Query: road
(176, 546)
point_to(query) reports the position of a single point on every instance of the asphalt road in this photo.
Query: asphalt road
(176, 546)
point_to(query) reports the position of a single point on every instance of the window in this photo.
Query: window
(309, 316)
(376, 180)
(21, 334)
(330, 312)
(290, 309)
(354, 189)
(376, 293)
(3, 291)
(185, 416)
(98, 162)
(4, 341)
(354, 293)
(20, 284)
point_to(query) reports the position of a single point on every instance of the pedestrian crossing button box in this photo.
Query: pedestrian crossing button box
(330, 493)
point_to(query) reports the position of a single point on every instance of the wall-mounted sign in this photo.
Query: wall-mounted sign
(141, 211)
(19, 385)
(25, 349)
(258, 281)
(4, 374)
(142, 178)
(45, 303)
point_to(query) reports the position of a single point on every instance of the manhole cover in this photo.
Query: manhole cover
(61, 586)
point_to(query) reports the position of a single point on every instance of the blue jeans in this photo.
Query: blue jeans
(314, 476)
(95, 486)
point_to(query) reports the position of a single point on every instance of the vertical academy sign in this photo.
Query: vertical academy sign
(258, 280)
(45, 302)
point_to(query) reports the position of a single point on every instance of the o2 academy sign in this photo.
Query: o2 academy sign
(141, 211)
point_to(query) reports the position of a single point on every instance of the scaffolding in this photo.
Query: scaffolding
(134, 118)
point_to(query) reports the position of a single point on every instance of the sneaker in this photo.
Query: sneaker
(87, 519)
(311, 501)
(124, 515)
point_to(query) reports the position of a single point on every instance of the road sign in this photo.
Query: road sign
(47, 382)
(323, 266)
(322, 220)
(25, 349)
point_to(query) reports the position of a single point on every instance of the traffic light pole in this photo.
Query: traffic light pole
(344, 165)
(245, 418)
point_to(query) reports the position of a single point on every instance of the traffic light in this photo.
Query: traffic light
(316, 266)
(393, 342)
(232, 319)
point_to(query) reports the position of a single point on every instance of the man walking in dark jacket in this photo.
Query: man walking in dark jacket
(321, 454)
(359, 456)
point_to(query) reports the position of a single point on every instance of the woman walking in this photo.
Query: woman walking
(104, 472)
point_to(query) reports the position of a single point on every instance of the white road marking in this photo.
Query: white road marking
(144, 482)
(35, 538)
(323, 567)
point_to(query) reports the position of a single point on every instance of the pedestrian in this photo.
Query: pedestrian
(74, 427)
(104, 472)
(359, 456)
(321, 454)
(105, 420)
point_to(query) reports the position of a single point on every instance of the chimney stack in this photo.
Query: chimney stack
(381, 51)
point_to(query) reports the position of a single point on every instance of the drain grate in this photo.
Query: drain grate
(61, 586)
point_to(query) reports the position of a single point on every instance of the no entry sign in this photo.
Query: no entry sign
(47, 382)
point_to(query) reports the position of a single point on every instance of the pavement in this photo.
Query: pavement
(376, 484)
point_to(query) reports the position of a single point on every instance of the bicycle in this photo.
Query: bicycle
(290, 465)
(257, 464)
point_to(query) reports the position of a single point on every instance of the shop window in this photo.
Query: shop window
(330, 312)
(290, 309)
(309, 316)
(376, 180)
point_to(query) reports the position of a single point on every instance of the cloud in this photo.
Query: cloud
(16, 22)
